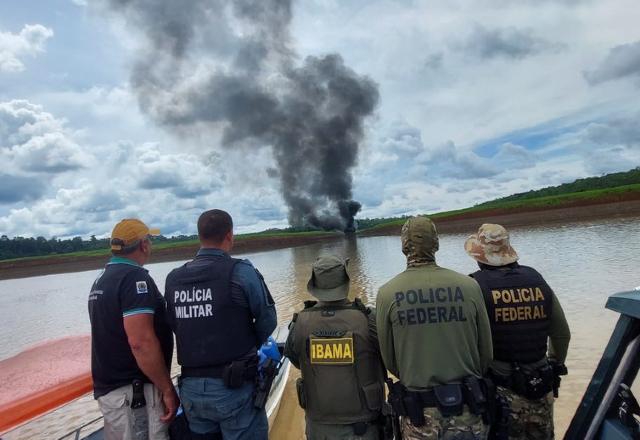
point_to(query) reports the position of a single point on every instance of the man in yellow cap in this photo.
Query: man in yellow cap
(131, 341)
(435, 338)
(524, 314)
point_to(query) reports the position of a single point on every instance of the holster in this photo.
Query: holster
(396, 397)
(413, 406)
(137, 397)
(302, 397)
(237, 372)
(499, 428)
(264, 380)
(558, 370)
(480, 397)
(393, 431)
(405, 403)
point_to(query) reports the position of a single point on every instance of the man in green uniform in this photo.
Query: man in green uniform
(435, 338)
(524, 314)
(334, 344)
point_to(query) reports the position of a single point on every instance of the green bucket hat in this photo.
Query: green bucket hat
(329, 278)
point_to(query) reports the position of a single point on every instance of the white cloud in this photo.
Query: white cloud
(183, 174)
(28, 42)
(34, 140)
(460, 120)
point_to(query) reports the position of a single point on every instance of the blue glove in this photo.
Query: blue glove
(269, 350)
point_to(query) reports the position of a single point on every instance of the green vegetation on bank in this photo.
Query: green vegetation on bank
(518, 204)
(608, 186)
(25, 249)
(613, 180)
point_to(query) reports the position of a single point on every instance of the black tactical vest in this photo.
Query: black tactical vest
(210, 329)
(342, 372)
(519, 303)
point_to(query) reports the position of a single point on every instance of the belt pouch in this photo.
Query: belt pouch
(533, 385)
(302, 397)
(233, 374)
(449, 399)
(360, 428)
(539, 383)
(519, 382)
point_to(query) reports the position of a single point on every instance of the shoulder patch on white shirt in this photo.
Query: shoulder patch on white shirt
(141, 287)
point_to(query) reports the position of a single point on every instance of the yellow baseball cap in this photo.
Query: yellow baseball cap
(129, 231)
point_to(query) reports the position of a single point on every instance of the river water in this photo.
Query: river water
(583, 262)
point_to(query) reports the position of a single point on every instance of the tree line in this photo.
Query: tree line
(612, 180)
(19, 247)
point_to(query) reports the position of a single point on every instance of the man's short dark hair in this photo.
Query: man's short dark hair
(126, 250)
(214, 225)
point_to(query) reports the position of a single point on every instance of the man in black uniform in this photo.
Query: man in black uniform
(524, 314)
(131, 341)
(334, 344)
(221, 311)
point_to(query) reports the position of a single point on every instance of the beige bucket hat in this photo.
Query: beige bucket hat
(490, 245)
(329, 278)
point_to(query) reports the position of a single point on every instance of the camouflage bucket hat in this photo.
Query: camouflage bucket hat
(490, 245)
(419, 240)
(329, 278)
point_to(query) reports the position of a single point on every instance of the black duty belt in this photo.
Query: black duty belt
(503, 381)
(427, 398)
(450, 399)
(532, 385)
(215, 371)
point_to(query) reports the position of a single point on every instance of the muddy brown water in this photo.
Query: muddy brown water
(584, 263)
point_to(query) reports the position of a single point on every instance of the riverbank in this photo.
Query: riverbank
(625, 206)
(580, 211)
(30, 267)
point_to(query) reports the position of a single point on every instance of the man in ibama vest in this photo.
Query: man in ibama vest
(524, 314)
(333, 342)
(435, 338)
(221, 311)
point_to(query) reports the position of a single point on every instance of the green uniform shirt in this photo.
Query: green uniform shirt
(433, 327)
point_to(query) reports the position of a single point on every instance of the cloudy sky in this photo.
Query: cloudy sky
(477, 99)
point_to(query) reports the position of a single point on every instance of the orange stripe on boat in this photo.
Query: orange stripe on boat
(42, 378)
(27, 408)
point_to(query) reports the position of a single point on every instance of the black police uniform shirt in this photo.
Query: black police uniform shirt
(123, 289)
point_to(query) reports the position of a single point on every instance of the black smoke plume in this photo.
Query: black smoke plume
(227, 66)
